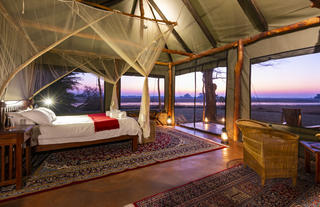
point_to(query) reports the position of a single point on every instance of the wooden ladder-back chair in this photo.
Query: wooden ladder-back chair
(269, 152)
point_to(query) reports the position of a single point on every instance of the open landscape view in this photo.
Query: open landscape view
(286, 83)
(275, 84)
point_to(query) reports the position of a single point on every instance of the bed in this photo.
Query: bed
(60, 132)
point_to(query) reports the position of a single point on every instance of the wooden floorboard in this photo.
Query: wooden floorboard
(120, 189)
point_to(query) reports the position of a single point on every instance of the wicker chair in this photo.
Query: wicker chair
(269, 152)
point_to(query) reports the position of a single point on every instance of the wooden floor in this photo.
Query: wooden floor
(120, 189)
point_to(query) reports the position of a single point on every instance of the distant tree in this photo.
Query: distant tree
(317, 96)
(200, 95)
(92, 99)
(221, 99)
(60, 93)
(100, 94)
(210, 99)
(210, 96)
(187, 95)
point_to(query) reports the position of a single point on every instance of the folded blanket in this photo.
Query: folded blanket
(103, 122)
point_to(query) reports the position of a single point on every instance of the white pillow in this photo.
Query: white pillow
(38, 116)
(16, 118)
(49, 112)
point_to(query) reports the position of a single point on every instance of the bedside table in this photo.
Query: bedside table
(12, 141)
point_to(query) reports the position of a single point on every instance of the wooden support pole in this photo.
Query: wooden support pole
(237, 90)
(207, 52)
(311, 22)
(170, 91)
(177, 52)
(141, 20)
(123, 13)
(162, 63)
(141, 8)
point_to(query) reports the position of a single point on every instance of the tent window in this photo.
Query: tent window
(77, 93)
(190, 95)
(286, 83)
(131, 92)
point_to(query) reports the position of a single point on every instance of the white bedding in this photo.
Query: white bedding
(80, 128)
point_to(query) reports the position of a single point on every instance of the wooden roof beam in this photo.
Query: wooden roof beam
(165, 44)
(134, 6)
(110, 3)
(86, 35)
(91, 54)
(201, 24)
(124, 13)
(169, 54)
(177, 52)
(254, 14)
(311, 22)
(174, 32)
(141, 8)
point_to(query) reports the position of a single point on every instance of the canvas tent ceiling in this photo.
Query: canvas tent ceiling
(225, 20)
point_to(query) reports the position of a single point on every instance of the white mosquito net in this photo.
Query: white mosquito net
(105, 43)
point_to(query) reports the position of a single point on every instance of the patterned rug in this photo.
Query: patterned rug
(238, 186)
(71, 166)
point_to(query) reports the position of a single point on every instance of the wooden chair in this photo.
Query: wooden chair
(292, 117)
(269, 152)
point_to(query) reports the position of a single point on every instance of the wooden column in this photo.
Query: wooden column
(237, 89)
(119, 93)
(170, 93)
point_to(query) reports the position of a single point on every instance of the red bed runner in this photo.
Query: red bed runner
(103, 122)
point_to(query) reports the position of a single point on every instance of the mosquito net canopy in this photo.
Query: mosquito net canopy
(105, 43)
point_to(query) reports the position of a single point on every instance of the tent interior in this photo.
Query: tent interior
(210, 46)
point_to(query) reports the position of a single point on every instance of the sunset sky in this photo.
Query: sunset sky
(295, 77)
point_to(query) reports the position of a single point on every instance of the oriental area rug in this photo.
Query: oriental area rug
(238, 186)
(66, 167)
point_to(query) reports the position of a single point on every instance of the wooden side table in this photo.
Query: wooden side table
(12, 142)
(308, 149)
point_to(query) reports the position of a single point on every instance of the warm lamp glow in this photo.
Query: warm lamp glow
(206, 120)
(224, 136)
(48, 101)
(169, 120)
(223, 120)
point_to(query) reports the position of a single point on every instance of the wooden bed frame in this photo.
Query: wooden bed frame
(50, 147)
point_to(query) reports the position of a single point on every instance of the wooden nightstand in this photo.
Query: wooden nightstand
(12, 142)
